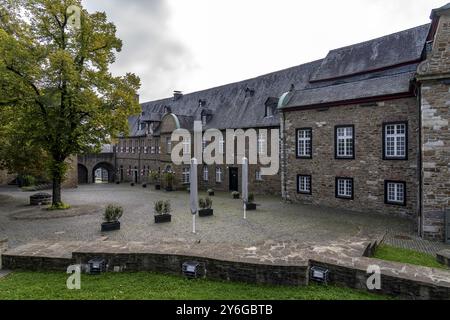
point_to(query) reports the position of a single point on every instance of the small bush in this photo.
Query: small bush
(208, 202)
(251, 198)
(235, 193)
(158, 207)
(112, 213)
(167, 208)
(28, 181)
(202, 203)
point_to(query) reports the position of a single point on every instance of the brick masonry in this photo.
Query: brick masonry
(368, 169)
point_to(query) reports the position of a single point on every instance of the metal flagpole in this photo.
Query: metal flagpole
(245, 184)
(193, 191)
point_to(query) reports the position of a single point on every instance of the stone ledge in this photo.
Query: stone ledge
(270, 263)
(443, 257)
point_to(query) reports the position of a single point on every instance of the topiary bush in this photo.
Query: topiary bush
(112, 213)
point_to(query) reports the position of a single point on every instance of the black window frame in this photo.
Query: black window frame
(336, 188)
(384, 157)
(336, 156)
(296, 143)
(310, 184)
(386, 200)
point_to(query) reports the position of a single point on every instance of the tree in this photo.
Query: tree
(55, 74)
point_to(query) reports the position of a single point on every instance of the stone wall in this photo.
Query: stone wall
(368, 169)
(6, 177)
(3, 248)
(434, 77)
(210, 268)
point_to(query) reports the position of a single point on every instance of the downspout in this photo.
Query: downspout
(420, 223)
(281, 103)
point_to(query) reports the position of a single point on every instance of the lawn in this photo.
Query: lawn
(52, 285)
(386, 252)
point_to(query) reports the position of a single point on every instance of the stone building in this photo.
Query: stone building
(364, 129)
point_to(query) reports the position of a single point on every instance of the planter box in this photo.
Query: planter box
(144, 185)
(40, 198)
(250, 206)
(236, 196)
(132, 184)
(157, 187)
(205, 212)
(110, 226)
(161, 218)
(211, 194)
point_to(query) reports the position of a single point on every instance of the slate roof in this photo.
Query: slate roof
(380, 67)
(387, 51)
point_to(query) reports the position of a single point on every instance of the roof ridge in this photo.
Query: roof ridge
(237, 82)
(379, 38)
(359, 80)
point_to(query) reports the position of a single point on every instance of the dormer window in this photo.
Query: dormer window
(269, 111)
(167, 109)
(270, 106)
(142, 125)
(204, 118)
(201, 103)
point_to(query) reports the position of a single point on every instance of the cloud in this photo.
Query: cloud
(151, 49)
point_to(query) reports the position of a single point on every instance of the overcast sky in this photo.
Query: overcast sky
(190, 45)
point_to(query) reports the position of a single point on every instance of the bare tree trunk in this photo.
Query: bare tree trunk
(56, 198)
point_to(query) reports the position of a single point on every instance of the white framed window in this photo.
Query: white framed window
(186, 175)
(344, 188)
(168, 144)
(345, 142)
(304, 143)
(395, 140)
(152, 149)
(395, 192)
(221, 146)
(261, 143)
(145, 149)
(187, 146)
(205, 173)
(304, 184)
(218, 175)
(258, 175)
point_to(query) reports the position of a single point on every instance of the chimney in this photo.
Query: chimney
(177, 95)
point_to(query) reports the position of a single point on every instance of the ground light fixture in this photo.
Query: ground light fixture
(319, 274)
(96, 266)
(191, 269)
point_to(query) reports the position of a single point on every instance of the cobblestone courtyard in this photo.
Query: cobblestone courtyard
(273, 220)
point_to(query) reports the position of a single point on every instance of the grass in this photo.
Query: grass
(59, 206)
(148, 286)
(386, 252)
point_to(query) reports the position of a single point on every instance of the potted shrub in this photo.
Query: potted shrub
(111, 218)
(169, 178)
(162, 211)
(205, 207)
(210, 192)
(155, 177)
(235, 194)
(251, 205)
